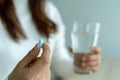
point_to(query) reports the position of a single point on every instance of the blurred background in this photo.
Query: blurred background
(106, 12)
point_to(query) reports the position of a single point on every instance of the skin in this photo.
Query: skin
(32, 67)
(92, 61)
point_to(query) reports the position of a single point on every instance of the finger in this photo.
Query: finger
(83, 58)
(46, 54)
(80, 64)
(93, 57)
(44, 59)
(96, 50)
(80, 60)
(70, 49)
(32, 55)
(83, 65)
(88, 64)
(80, 57)
(93, 63)
(93, 69)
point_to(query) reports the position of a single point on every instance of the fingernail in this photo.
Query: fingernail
(41, 42)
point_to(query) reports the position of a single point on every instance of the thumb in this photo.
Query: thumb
(96, 50)
(44, 59)
(70, 48)
(32, 55)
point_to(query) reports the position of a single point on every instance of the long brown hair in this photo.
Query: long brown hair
(8, 16)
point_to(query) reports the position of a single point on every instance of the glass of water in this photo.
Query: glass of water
(84, 36)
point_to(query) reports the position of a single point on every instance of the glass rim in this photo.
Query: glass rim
(86, 23)
(95, 27)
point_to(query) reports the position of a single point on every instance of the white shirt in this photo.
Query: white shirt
(11, 52)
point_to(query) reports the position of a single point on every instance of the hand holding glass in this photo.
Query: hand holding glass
(84, 37)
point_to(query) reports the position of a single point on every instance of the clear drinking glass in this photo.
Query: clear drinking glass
(84, 36)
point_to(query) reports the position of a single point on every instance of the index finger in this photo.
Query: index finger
(45, 57)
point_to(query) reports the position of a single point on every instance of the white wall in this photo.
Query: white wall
(107, 12)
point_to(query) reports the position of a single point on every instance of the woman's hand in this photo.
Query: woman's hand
(90, 61)
(32, 67)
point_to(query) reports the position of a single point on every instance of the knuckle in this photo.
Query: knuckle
(90, 57)
(47, 49)
(44, 61)
(93, 70)
(92, 63)
(96, 49)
